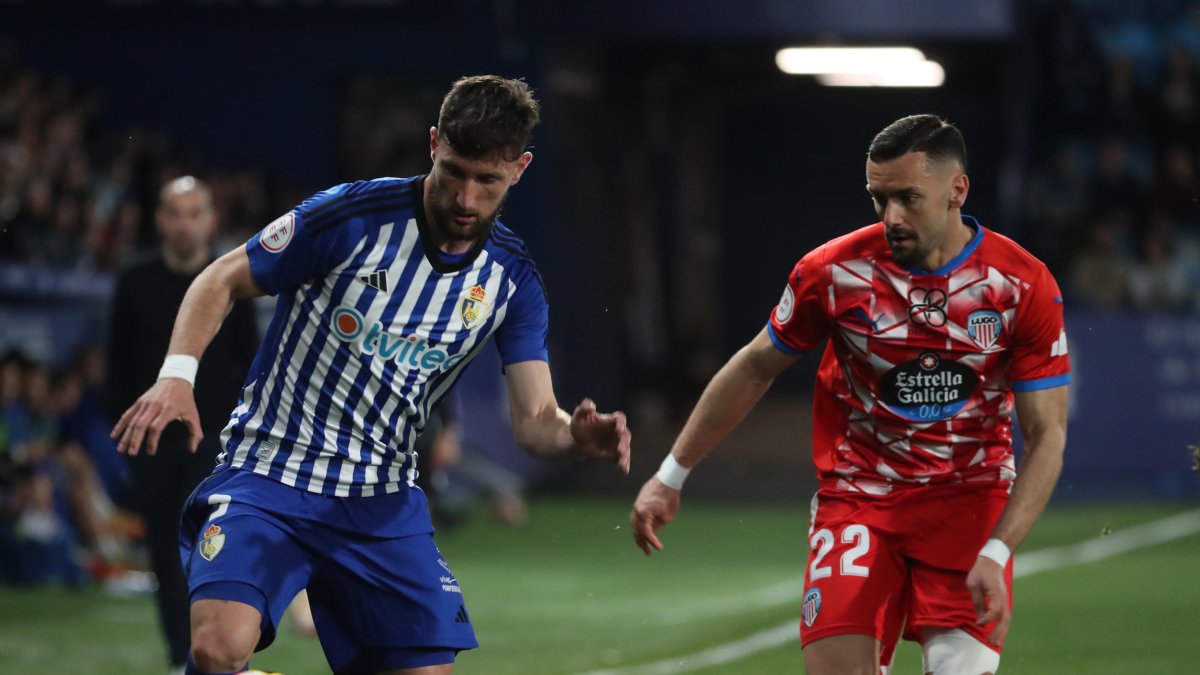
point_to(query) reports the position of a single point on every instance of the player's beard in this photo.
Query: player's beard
(446, 227)
(909, 250)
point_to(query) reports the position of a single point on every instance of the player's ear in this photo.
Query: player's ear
(958, 191)
(433, 143)
(523, 163)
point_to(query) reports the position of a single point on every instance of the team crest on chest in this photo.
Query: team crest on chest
(214, 541)
(984, 327)
(474, 306)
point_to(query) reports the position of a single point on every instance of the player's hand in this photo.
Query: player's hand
(601, 435)
(656, 506)
(989, 593)
(169, 400)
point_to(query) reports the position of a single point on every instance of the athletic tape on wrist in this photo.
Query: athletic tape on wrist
(180, 366)
(996, 550)
(672, 473)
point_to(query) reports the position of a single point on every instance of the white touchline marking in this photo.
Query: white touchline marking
(1161, 531)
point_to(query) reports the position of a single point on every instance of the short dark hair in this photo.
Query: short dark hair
(487, 115)
(929, 134)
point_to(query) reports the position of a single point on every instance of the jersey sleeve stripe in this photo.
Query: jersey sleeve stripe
(361, 208)
(523, 256)
(1042, 383)
(780, 344)
(361, 190)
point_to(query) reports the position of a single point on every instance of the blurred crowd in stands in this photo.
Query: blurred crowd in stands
(1111, 198)
(63, 493)
(76, 194)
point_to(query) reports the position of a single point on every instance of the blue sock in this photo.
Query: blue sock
(193, 669)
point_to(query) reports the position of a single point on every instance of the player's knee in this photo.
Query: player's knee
(956, 652)
(223, 647)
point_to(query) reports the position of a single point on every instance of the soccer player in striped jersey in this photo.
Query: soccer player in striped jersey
(386, 290)
(937, 329)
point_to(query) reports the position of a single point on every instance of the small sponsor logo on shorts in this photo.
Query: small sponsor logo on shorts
(214, 541)
(449, 582)
(812, 606)
(266, 451)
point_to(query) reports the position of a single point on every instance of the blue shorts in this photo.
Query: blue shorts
(382, 595)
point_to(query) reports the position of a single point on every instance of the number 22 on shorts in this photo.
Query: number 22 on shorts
(821, 542)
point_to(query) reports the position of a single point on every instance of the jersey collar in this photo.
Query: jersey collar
(962, 256)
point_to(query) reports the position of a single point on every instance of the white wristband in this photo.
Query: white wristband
(996, 550)
(180, 366)
(672, 473)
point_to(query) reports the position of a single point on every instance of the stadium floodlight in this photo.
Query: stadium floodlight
(820, 60)
(924, 74)
(862, 66)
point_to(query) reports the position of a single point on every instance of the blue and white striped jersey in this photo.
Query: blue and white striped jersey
(373, 325)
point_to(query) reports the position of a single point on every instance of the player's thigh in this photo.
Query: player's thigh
(856, 579)
(389, 604)
(843, 655)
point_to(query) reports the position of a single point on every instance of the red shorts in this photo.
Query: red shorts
(880, 565)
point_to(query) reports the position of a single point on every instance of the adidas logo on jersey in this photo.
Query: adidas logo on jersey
(376, 280)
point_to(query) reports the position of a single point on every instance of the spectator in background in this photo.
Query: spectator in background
(86, 423)
(1159, 281)
(1114, 188)
(1099, 272)
(1176, 190)
(1125, 104)
(1057, 201)
(1178, 102)
(145, 293)
(48, 491)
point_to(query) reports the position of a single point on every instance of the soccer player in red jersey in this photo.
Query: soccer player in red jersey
(938, 330)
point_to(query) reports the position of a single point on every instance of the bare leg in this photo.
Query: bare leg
(224, 634)
(843, 655)
(444, 669)
(301, 613)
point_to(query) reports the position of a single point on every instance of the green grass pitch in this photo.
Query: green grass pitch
(568, 593)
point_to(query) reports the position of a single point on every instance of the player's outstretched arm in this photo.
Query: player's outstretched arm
(1043, 418)
(731, 393)
(207, 302)
(545, 430)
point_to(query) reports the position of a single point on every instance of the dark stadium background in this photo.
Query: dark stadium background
(678, 175)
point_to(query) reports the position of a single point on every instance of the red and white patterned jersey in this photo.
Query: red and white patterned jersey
(916, 383)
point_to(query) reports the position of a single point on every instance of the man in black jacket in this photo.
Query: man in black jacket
(148, 293)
